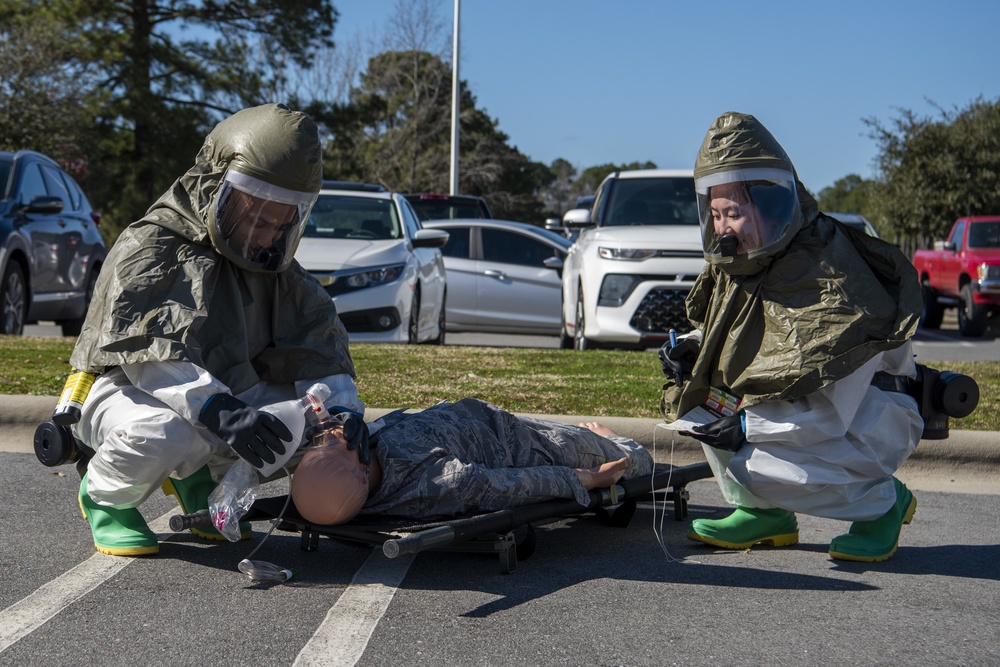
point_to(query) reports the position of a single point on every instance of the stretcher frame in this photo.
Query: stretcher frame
(508, 532)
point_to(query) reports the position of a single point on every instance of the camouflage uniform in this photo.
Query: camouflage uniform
(456, 458)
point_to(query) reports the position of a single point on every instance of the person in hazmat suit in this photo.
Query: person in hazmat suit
(808, 323)
(201, 316)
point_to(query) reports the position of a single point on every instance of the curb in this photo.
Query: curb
(976, 452)
(19, 415)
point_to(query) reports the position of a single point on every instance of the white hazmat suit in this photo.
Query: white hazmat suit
(830, 453)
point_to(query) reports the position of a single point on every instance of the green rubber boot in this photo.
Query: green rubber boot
(876, 540)
(192, 495)
(746, 527)
(117, 532)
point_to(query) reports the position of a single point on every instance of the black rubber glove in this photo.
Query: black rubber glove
(726, 433)
(356, 434)
(254, 435)
(678, 361)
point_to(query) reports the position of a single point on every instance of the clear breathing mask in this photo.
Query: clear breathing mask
(256, 224)
(746, 212)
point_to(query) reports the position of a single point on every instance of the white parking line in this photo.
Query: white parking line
(25, 616)
(341, 638)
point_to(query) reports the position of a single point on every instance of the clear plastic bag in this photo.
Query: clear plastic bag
(232, 498)
(234, 495)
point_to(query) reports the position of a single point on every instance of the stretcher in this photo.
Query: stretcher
(508, 533)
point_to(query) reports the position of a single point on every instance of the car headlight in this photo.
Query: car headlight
(374, 277)
(988, 272)
(627, 254)
(616, 289)
(341, 282)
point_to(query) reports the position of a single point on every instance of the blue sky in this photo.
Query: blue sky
(632, 80)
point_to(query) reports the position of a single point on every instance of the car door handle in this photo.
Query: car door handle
(495, 274)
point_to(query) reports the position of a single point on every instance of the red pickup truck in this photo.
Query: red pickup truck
(962, 272)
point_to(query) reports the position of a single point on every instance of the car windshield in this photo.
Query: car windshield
(555, 238)
(653, 201)
(347, 217)
(445, 208)
(984, 235)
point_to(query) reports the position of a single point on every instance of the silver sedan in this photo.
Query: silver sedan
(503, 276)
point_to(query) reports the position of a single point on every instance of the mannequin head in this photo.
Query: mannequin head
(330, 485)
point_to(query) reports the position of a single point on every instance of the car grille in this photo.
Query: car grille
(660, 311)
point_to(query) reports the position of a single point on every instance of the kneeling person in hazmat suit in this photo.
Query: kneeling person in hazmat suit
(809, 323)
(201, 316)
(462, 457)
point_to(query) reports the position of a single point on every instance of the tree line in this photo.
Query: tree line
(929, 171)
(123, 93)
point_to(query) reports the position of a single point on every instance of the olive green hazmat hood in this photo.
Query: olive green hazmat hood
(812, 313)
(165, 293)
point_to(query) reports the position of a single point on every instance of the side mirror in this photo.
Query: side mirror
(44, 204)
(577, 217)
(554, 263)
(430, 238)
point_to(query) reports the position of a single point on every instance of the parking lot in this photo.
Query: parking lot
(589, 595)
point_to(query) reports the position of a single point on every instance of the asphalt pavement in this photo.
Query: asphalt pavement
(589, 594)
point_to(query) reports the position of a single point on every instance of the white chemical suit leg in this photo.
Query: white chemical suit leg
(732, 491)
(848, 477)
(139, 442)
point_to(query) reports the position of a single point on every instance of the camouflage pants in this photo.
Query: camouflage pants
(456, 458)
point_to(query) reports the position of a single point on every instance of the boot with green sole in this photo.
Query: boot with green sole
(876, 540)
(192, 495)
(117, 532)
(746, 527)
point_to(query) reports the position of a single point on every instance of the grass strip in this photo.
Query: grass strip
(611, 383)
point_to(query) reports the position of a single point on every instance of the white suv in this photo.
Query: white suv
(627, 276)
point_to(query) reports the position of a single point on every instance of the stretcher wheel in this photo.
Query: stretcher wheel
(680, 497)
(617, 517)
(526, 541)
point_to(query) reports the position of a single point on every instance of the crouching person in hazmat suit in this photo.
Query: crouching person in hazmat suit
(200, 316)
(809, 323)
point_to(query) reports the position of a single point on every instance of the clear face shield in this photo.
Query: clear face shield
(746, 212)
(256, 224)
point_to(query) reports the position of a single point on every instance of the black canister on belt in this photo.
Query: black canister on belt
(67, 410)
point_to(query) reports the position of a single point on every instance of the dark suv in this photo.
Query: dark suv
(51, 249)
(448, 207)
